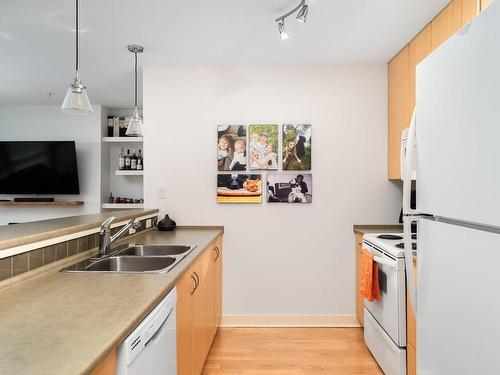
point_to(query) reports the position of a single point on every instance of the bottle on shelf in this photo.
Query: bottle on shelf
(127, 160)
(133, 161)
(121, 160)
(140, 161)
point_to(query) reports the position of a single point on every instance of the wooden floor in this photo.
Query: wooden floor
(290, 351)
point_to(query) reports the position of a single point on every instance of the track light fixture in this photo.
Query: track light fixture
(303, 9)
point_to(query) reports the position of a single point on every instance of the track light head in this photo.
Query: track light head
(302, 16)
(282, 31)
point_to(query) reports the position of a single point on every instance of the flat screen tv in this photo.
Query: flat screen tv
(38, 167)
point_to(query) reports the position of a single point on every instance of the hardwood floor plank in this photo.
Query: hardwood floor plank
(290, 351)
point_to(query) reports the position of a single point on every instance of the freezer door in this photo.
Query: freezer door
(458, 330)
(458, 124)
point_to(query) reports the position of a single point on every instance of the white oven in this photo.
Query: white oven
(385, 320)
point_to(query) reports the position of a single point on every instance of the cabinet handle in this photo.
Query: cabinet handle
(217, 253)
(195, 282)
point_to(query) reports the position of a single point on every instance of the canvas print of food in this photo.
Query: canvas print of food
(289, 188)
(231, 148)
(263, 147)
(239, 188)
(296, 147)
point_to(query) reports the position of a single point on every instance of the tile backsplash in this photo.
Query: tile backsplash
(21, 263)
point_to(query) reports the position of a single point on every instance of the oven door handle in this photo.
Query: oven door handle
(387, 262)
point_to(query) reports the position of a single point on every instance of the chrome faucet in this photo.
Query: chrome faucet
(105, 237)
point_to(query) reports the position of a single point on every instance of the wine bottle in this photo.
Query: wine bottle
(127, 160)
(121, 160)
(140, 161)
(133, 161)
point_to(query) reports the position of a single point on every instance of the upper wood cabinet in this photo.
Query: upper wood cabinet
(485, 3)
(420, 48)
(399, 108)
(470, 9)
(446, 23)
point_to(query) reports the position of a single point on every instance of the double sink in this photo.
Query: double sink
(135, 259)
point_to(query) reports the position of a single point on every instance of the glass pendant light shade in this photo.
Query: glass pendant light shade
(134, 128)
(76, 100)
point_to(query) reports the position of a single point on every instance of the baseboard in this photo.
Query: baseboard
(297, 321)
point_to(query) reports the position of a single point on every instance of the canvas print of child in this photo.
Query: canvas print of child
(289, 188)
(296, 147)
(231, 148)
(263, 147)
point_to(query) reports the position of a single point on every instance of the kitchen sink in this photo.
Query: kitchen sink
(154, 250)
(131, 264)
(155, 258)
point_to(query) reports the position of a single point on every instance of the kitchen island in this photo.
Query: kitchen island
(68, 323)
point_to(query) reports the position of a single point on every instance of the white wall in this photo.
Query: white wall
(49, 123)
(278, 259)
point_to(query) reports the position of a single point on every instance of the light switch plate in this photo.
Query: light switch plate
(131, 231)
(161, 193)
(148, 223)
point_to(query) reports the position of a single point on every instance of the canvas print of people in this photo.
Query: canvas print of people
(296, 147)
(263, 147)
(239, 188)
(289, 188)
(231, 148)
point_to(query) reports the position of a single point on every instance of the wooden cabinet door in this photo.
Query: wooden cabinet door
(411, 322)
(202, 312)
(411, 360)
(399, 108)
(446, 23)
(186, 286)
(359, 297)
(218, 284)
(470, 9)
(420, 48)
(485, 3)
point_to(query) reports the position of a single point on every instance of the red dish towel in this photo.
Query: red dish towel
(369, 278)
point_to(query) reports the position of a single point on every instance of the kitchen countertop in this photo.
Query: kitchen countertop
(389, 228)
(67, 323)
(25, 233)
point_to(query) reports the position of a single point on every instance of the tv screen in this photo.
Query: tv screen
(37, 167)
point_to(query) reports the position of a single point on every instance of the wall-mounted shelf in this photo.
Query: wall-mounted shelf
(122, 205)
(129, 173)
(55, 203)
(122, 139)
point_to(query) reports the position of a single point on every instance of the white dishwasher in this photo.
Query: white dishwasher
(151, 347)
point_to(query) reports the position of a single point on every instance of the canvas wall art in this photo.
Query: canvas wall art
(239, 188)
(263, 147)
(296, 147)
(289, 188)
(231, 148)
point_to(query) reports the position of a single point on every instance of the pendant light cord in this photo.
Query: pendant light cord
(76, 38)
(135, 81)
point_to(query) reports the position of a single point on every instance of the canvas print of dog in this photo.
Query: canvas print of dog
(289, 188)
(296, 147)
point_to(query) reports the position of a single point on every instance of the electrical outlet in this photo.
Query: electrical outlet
(161, 193)
(148, 223)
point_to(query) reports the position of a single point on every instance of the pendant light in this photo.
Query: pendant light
(134, 128)
(76, 100)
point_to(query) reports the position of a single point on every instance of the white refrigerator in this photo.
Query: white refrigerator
(454, 147)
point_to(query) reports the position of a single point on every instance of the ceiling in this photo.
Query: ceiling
(37, 39)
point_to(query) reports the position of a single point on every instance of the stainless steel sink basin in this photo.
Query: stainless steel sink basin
(154, 250)
(131, 264)
(155, 258)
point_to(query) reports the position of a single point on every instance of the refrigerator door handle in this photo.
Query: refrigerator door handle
(410, 277)
(409, 163)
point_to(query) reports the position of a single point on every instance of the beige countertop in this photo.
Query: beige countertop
(378, 228)
(67, 323)
(25, 233)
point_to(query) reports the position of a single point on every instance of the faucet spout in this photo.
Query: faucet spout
(105, 238)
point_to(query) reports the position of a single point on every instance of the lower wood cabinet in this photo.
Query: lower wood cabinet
(199, 307)
(359, 296)
(108, 366)
(411, 355)
(411, 333)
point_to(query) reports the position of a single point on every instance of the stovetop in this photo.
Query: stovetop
(392, 243)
